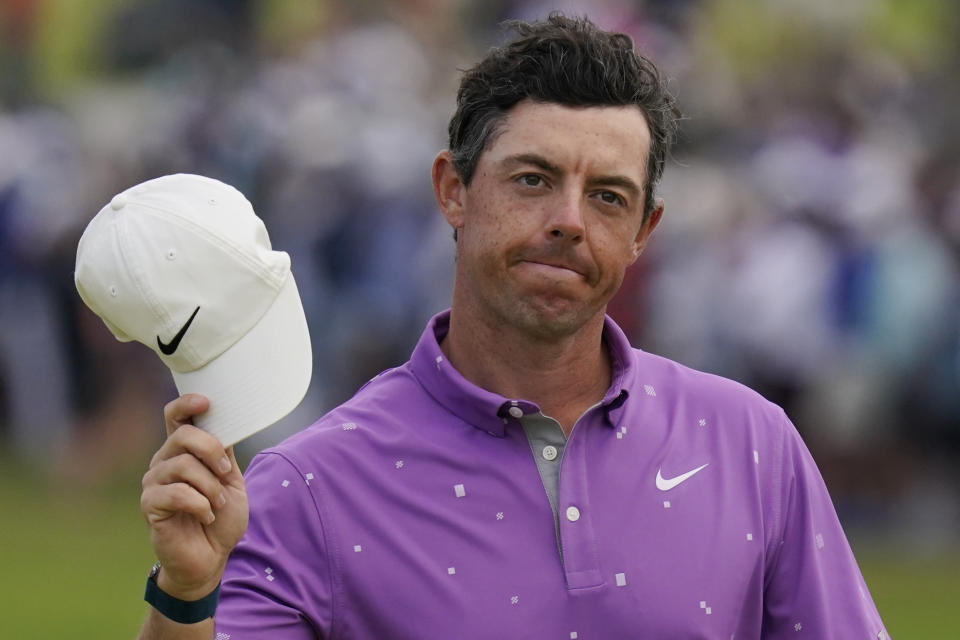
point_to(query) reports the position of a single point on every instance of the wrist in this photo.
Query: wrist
(184, 592)
(182, 606)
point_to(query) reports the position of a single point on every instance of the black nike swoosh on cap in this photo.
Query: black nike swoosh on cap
(169, 348)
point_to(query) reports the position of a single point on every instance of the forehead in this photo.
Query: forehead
(601, 138)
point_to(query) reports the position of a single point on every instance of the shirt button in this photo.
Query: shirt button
(573, 514)
(516, 412)
(549, 452)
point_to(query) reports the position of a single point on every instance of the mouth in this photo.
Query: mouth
(554, 268)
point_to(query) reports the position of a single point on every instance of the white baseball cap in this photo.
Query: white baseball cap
(182, 264)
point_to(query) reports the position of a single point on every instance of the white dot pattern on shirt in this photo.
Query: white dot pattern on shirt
(572, 512)
(285, 483)
(357, 548)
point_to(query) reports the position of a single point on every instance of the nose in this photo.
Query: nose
(565, 219)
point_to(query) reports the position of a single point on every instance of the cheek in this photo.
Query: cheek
(485, 245)
(501, 226)
(614, 248)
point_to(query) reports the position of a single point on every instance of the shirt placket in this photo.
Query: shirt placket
(578, 544)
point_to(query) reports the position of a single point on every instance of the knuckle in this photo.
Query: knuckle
(183, 438)
(149, 502)
(180, 463)
(204, 445)
(145, 502)
(182, 497)
(187, 466)
(179, 434)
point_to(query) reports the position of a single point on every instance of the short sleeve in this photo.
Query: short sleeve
(277, 582)
(813, 584)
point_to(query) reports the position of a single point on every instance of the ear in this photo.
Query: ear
(646, 229)
(448, 189)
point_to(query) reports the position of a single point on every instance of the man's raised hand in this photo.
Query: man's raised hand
(194, 502)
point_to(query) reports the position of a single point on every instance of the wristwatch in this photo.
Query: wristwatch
(182, 611)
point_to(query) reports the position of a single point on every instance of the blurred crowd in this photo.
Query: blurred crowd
(810, 247)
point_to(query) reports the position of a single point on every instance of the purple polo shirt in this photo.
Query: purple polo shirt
(687, 506)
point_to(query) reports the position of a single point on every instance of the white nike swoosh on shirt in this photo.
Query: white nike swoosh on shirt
(665, 484)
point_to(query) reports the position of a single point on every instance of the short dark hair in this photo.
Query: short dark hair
(567, 61)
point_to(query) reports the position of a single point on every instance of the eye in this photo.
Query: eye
(530, 180)
(611, 197)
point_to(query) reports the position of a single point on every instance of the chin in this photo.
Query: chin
(548, 322)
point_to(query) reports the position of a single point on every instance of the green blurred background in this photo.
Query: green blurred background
(811, 246)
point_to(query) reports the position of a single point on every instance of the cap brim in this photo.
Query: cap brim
(261, 378)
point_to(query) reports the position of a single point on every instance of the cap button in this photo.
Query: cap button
(119, 202)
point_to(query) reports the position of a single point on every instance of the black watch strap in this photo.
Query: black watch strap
(182, 611)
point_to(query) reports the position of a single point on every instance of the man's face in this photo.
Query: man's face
(552, 218)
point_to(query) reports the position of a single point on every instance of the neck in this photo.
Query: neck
(564, 376)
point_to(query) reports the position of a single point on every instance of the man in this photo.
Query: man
(527, 474)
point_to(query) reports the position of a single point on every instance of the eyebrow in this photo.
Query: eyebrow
(534, 159)
(539, 161)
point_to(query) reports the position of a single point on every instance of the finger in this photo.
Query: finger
(182, 410)
(197, 442)
(185, 468)
(234, 475)
(160, 502)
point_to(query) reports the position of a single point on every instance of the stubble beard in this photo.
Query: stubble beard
(540, 318)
